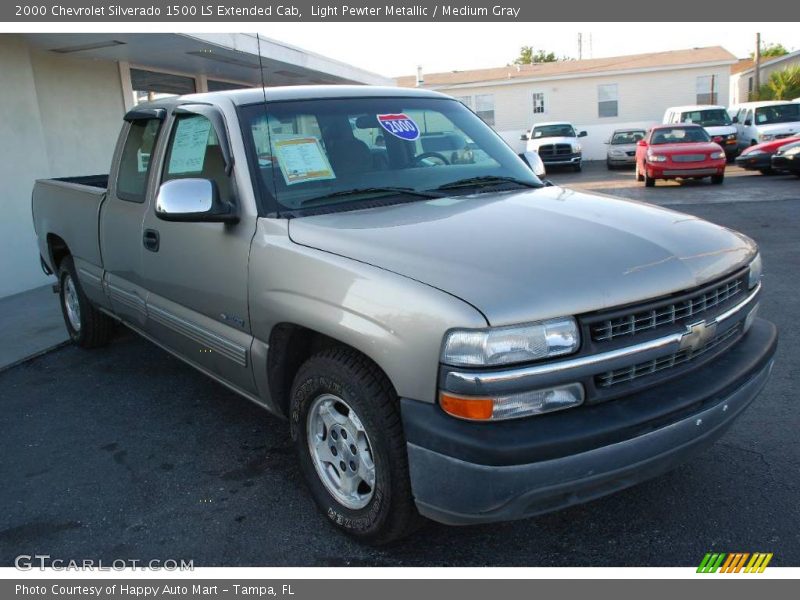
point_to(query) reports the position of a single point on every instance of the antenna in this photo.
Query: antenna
(272, 158)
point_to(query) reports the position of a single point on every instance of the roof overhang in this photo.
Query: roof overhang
(227, 56)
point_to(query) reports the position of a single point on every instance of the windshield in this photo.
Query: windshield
(712, 117)
(627, 137)
(545, 131)
(679, 135)
(780, 113)
(355, 152)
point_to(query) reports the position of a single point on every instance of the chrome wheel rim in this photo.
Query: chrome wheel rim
(341, 451)
(71, 303)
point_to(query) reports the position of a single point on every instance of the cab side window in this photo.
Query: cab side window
(134, 163)
(194, 152)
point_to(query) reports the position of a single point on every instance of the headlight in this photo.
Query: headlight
(792, 151)
(755, 272)
(617, 153)
(576, 147)
(753, 152)
(717, 155)
(766, 137)
(731, 136)
(656, 157)
(512, 344)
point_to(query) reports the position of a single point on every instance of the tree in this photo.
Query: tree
(527, 56)
(782, 85)
(771, 50)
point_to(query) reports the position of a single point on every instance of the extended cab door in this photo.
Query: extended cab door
(123, 212)
(197, 272)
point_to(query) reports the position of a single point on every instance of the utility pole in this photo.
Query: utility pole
(757, 72)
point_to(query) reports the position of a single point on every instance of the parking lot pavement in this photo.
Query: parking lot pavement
(127, 453)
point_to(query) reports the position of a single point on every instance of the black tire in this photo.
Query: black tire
(578, 167)
(638, 173)
(649, 181)
(767, 171)
(94, 328)
(344, 373)
(717, 179)
(609, 166)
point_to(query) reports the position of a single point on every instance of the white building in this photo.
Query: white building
(743, 74)
(597, 95)
(62, 98)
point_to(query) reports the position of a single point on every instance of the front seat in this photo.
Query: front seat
(346, 154)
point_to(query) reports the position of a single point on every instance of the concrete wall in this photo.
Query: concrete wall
(61, 117)
(642, 99)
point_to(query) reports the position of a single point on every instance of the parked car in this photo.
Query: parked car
(758, 122)
(457, 341)
(679, 152)
(556, 143)
(759, 157)
(621, 150)
(714, 119)
(787, 158)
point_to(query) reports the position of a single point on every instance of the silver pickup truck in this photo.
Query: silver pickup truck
(447, 335)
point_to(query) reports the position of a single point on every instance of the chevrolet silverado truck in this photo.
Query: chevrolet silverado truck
(447, 336)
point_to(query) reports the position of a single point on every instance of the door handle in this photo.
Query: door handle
(151, 240)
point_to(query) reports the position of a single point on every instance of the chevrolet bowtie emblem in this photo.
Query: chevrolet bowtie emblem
(698, 335)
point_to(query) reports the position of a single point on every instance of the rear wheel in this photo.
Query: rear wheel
(717, 179)
(87, 326)
(346, 427)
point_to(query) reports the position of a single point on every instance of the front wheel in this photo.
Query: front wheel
(87, 326)
(717, 179)
(346, 427)
(577, 167)
(649, 181)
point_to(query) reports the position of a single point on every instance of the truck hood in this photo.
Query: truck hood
(533, 145)
(720, 130)
(535, 254)
(779, 128)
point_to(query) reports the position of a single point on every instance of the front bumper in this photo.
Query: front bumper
(754, 162)
(670, 170)
(465, 472)
(562, 159)
(786, 163)
(621, 160)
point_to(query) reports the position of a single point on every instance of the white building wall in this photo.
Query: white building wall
(60, 118)
(740, 82)
(642, 100)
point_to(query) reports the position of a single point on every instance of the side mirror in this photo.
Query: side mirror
(582, 134)
(194, 201)
(547, 183)
(735, 119)
(641, 143)
(523, 137)
(747, 123)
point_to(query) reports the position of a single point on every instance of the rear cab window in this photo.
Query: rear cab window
(134, 163)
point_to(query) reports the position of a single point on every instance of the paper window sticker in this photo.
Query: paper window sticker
(189, 146)
(302, 159)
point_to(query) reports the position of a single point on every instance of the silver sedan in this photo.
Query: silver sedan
(622, 147)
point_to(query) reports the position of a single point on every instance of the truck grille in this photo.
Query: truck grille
(667, 312)
(551, 150)
(625, 374)
(688, 157)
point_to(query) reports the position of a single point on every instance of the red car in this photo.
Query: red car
(678, 152)
(759, 156)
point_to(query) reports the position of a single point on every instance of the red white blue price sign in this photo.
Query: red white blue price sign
(400, 126)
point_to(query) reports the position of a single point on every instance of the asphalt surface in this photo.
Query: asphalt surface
(128, 453)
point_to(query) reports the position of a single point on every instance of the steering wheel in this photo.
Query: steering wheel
(420, 157)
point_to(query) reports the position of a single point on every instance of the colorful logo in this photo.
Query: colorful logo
(400, 125)
(737, 562)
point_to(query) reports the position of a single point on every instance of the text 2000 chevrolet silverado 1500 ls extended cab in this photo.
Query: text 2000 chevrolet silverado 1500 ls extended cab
(446, 335)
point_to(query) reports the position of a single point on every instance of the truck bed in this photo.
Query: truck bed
(69, 208)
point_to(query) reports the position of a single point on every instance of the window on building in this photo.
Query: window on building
(706, 89)
(465, 100)
(538, 103)
(607, 105)
(134, 163)
(151, 85)
(484, 108)
(220, 86)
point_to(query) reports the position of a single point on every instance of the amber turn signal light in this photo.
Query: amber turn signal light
(467, 407)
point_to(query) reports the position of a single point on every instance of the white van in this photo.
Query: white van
(714, 119)
(765, 121)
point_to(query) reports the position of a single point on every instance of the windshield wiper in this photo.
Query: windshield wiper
(371, 190)
(486, 180)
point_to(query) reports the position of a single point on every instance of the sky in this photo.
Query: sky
(393, 49)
